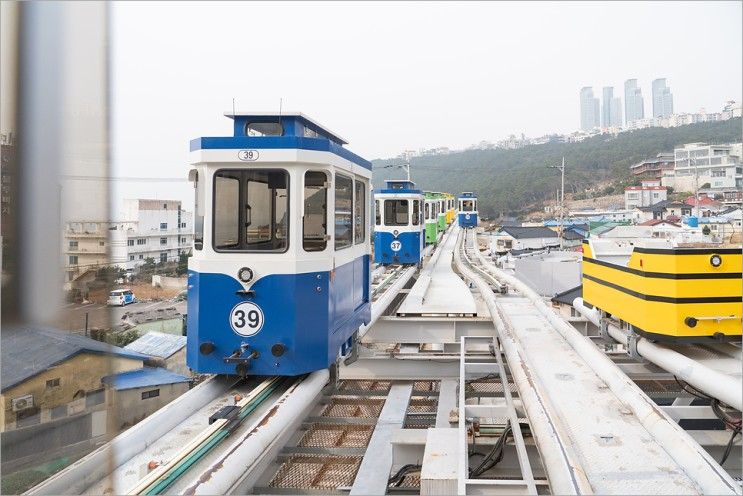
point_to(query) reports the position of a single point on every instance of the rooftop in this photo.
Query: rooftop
(144, 377)
(567, 297)
(528, 232)
(43, 348)
(157, 344)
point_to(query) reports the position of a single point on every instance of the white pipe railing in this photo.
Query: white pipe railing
(725, 388)
(563, 472)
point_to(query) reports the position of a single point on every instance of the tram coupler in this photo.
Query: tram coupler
(243, 362)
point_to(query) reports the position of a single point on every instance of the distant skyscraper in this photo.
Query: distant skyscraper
(616, 112)
(606, 117)
(634, 107)
(662, 99)
(589, 109)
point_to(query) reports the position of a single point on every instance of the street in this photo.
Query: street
(103, 316)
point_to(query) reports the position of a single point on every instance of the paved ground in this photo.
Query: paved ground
(103, 317)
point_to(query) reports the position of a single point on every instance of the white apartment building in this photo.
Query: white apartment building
(157, 229)
(699, 164)
(649, 193)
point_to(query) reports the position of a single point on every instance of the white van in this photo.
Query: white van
(121, 297)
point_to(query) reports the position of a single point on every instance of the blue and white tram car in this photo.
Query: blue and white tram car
(279, 280)
(399, 236)
(467, 216)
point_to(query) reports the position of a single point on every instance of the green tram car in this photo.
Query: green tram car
(432, 210)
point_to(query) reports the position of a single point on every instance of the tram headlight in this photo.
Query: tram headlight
(395, 233)
(715, 260)
(245, 274)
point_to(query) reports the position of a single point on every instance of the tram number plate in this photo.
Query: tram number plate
(247, 155)
(395, 245)
(246, 319)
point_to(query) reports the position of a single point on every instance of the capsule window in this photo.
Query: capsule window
(315, 220)
(416, 212)
(264, 129)
(396, 212)
(251, 210)
(343, 212)
(359, 212)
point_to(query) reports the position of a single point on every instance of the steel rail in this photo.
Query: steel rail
(704, 470)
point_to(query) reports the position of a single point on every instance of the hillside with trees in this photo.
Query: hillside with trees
(512, 182)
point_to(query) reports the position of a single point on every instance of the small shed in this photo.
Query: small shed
(168, 349)
(139, 393)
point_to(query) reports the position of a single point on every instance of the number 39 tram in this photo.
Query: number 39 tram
(279, 280)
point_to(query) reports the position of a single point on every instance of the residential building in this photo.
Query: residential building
(610, 214)
(649, 193)
(654, 167)
(662, 99)
(139, 393)
(157, 229)
(664, 209)
(57, 375)
(616, 112)
(606, 110)
(634, 106)
(700, 165)
(589, 109)
(523, 238)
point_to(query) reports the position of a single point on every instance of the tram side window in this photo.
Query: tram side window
(227, 210)
(360, 212)
(428, 210)
(343, 212)
(198, 229)
(396, 212)
(378, 214)
(314, 223)
(416, 213)
(251, 210)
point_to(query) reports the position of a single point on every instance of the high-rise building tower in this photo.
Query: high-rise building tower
(662, 99)
(616, 112)
(589, 109)
(634, 107)
(606, 117)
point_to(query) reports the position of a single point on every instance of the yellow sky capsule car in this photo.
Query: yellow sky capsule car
(686, 294)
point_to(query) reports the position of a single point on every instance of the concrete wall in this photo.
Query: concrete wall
(130, 408)
(169, 282)
(177, 363)
(81, 372)
(169, 326)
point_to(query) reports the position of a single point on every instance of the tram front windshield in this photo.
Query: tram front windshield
(251, 210)
(468, 205)
(396, 213)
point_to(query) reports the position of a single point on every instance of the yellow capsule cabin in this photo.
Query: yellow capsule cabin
(666, 293)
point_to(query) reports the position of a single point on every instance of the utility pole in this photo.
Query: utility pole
(562, 197)
(693, 161)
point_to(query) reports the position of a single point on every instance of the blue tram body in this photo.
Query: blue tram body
(279, 280)
(399, 236)
(467, 215)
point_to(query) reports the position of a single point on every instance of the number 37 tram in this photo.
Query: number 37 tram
(279, 279)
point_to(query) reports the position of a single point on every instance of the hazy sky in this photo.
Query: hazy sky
(396, 76)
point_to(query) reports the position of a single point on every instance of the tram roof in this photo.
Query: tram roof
(296, 130)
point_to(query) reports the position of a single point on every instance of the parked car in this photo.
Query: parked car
(121, 297)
